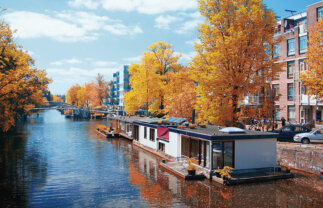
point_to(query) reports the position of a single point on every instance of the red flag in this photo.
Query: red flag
(163, 133)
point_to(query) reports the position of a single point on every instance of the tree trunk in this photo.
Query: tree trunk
(235, 109)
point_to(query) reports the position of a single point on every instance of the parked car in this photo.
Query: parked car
(311, 137)
(286, 133)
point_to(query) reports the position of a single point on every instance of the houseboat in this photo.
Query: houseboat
(123, 125)
(250, 154)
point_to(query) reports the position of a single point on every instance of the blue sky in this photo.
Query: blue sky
(76, 39)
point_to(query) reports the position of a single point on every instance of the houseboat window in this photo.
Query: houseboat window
(195, 149)
(136, 132)
(217, 155)
(161, 147)
(207, 154)
(152, 134)
(228, 154)
(145, 132)
(223, 154)
(128, 128)
(185, 146)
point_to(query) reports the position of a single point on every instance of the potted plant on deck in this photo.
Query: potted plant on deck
(190, 167)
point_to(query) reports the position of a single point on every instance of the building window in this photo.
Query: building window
(152, 134)
(277, 114)
(290, 69)
(276, 91)
(290, 87)
(303, 90)
(145, 132)
(319, 12)
(276, 51)
(291, 113)
(303, 44)
(291, 47)
(302, 66)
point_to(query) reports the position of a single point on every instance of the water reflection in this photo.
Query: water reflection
(56, 162)
(22, 169)
(160, 188)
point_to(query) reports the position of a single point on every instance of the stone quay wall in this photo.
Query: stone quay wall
(308, 158)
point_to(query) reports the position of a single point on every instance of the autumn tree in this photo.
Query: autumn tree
(233, 57)
(21, 84)
(71, 96)
(55, 98)
(149, 80)
(180, 95)
(102, 88)
(313, 78)
(87, 95)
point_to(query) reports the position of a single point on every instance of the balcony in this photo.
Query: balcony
(250, 100)
(309, 100)
(277, 34)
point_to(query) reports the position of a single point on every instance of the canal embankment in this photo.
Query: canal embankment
(303, 157)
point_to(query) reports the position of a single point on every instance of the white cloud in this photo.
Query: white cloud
(189, 25)
(192, 42)
(163, 22)
(188, 56)
(66, 61)
(31, 53)
(83, 3)
(135, 59)
(185, 57)
(104, 63)
(87, 21)
(149, 6)
(36, 25)
(62, 76)
(66, 26)
(120, 29)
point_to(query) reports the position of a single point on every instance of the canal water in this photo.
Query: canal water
(51, 161)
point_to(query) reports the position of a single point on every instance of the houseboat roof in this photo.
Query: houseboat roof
(211, 132)
(128, 119)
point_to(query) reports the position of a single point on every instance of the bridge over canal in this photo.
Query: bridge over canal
(78, 112)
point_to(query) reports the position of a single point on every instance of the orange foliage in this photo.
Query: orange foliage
(234, 57)
(88, 95)
(21, 84)
(56, 99)
(71, 96)
(312, 78)
(150, 79)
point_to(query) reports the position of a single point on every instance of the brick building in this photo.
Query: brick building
(293, 104)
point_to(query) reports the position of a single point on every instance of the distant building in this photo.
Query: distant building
(117, 89)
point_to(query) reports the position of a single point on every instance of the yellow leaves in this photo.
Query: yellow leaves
(89, 95)
(71, 96)
(312, 78)
(233, 47)
(56, 99)
(150, 79)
